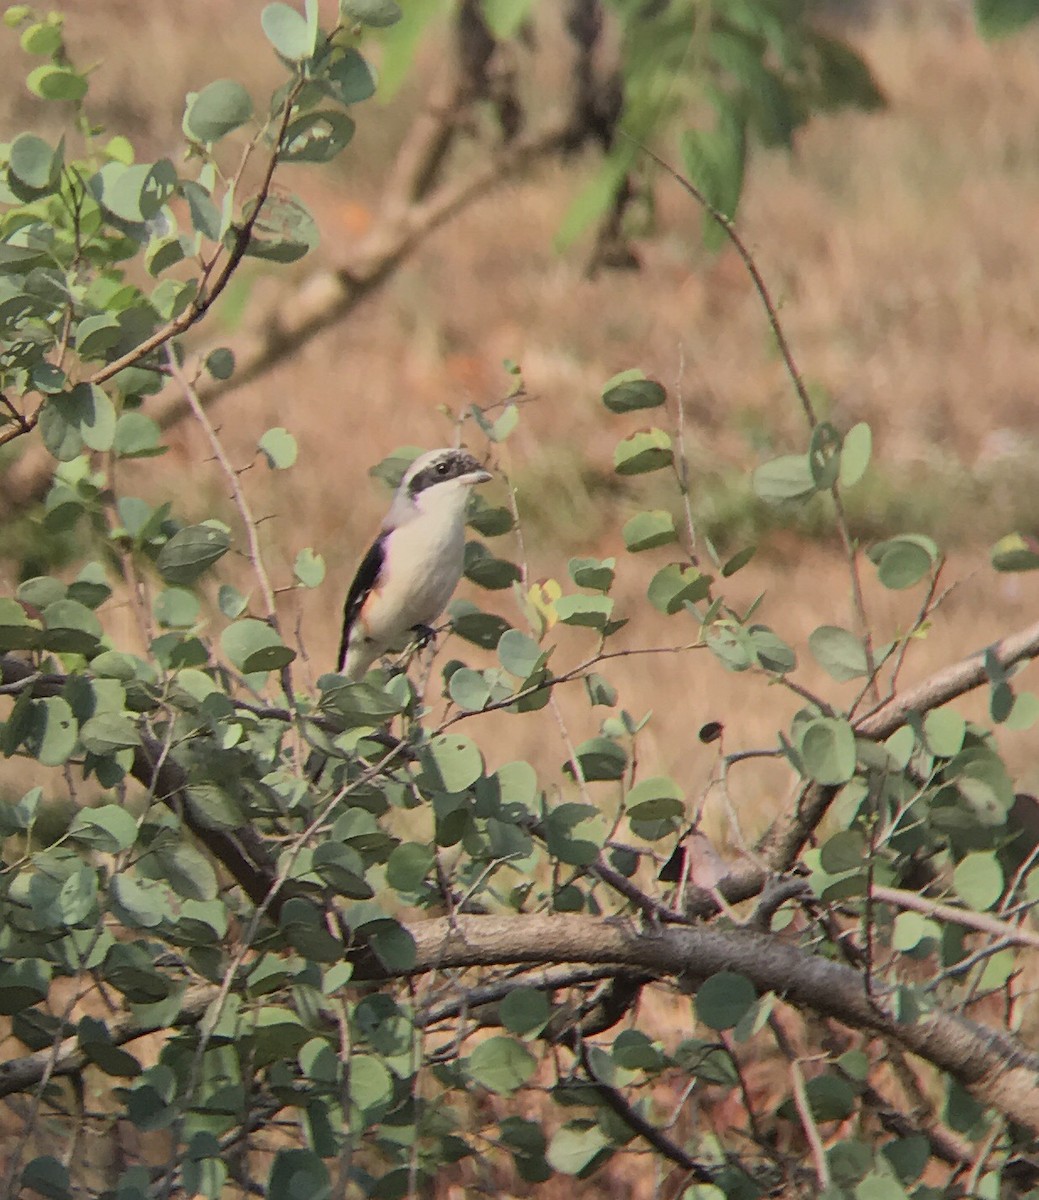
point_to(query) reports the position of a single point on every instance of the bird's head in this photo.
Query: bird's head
(439, 476)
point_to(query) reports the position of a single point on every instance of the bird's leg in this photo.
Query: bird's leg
(424, 635)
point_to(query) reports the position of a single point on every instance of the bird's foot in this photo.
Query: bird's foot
(424, 635)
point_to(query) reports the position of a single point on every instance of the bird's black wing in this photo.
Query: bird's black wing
(366, 579)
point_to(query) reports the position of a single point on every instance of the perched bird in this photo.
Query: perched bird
(407, 577)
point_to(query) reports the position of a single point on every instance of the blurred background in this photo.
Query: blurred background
(900, 246)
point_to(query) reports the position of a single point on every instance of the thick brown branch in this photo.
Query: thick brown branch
(992, 1065)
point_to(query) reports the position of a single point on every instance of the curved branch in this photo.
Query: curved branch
(992, 1065)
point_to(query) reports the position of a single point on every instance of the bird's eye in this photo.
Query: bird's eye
(442, 468)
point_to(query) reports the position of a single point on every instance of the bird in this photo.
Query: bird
(412, 568)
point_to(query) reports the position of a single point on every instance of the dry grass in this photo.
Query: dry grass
(901, 247)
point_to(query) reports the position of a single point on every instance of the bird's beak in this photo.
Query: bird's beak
(476, 477)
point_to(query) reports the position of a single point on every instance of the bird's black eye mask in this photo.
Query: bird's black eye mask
(443, 469)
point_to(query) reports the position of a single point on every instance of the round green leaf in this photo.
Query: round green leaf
(656, 799)
(600, 759)
(978, 880)
(288, 32)
(855, 454)
(33, 162)
(944, 731)
(845, 851)
(722, 1000)
(379, 14)
(648, 529)
(190, 552)
(108, 732)
(840, 653)
(253, 645)
(298, 1175)
(904, 561)
(1016, 552)
(453, 762)
(70, 628)
(786, 478)
(631, 390)
(574, 1146)
(408, 866)
(520, 655)
(828, 750)
(176, 608)
(592, 572)
(215, 111)
(309, 568)
(280, 448)
(469, 690)
(644, 451)
(501, 1064)
(486, 571)
(593, 612)
(51, 82)
(672, 586)
(220, 363)
(371, 1086)
(137, 436)
(317, 136)
(525, 1010)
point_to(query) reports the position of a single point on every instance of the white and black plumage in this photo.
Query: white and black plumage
(408, 575)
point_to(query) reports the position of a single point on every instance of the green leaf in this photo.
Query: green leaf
(1016, 552)
(656, 799)
(408, 866)
(176, 608)
(469, 689)
(600, 759)
(592, 612)
(999, 18)
(840, 653)
(486, 571)
(904, 561)
(253, 645)
(379, 14)
(715, 161)
(309, 568)
(41, 591)
(317, 136)
(190, 552)
(108, 732)
(219, 108)
(71, 628)
(631, 390)
(279, 447)
(827, 747)
(137, 436)
(17, 630)
(519, 654)
(348, 78)
(648, 529)
(846, 850)
(978, 880)
(392, 943)
(574, 1146)
(672, 586)
(284, 232)
(23, 983)
(109, 828)
(593, 573)
(70, 420)
(944, 731)
(722, 1000)
(220, 363)
(786, 478)
(47, 1176)
(644, 451)
(525, 1010)
(34, 163)
(452, 762)
(51, 82)
(855, 454)
(288, 32)
(298, 1174)
(501, 1064)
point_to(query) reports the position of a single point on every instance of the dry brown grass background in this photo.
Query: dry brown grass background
(900, 246)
